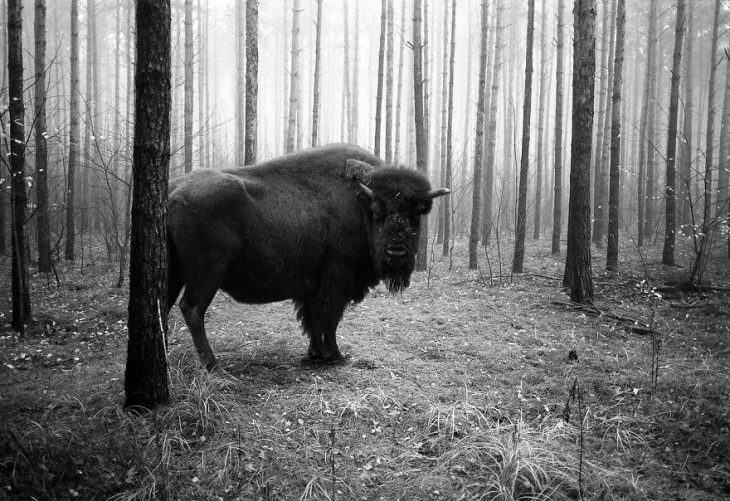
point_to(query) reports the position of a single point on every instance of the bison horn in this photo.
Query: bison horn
(437, 193)
(367, 191)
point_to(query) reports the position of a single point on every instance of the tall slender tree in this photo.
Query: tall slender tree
(599, 124)
(20, 290)
(685, 144)
(476, 200)
(73, 136)
(145, 382)
(399, 92)
(614, 181)
(240, 82)
(519, 254)
(723, 200)
(542, 98)
(295, 120)
(41, 148)
(558, 152)
(188, 88)
(347, 84)
(449, 139)
(420, 126)
(381, 68)
(252, 81)
(317, 75)
(578, 274)
(389, 35)
(670, 217)
(444, 99)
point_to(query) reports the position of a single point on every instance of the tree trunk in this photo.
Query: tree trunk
(449, 143)
(252, 81)
(558, 159)
(381, 67)
(685, 144)
(444, 98)
(644, 122)
(614, 176)
(4, 194)
(476, 204)
(73, 153)
(578, 275)
(599, 124)
(491, 136)
(421, 145)
(723, 200)
(240, 148)
(355, 78)
(188, 88)
(669, 232)
(346, 127)
(706, 229)
(600, 219)
(389, 84)
(399, 94)
(519, 255)
(41, 152)
(294, 128)
(19, 285)
(145, 382)
(317, 75)
(541, 123)
(202, 90)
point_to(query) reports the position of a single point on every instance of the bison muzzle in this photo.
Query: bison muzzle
(319, 227)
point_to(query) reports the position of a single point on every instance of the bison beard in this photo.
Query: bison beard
(319, 227)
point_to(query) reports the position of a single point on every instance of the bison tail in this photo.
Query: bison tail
(175, 275)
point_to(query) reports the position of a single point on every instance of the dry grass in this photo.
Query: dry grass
(455, 390)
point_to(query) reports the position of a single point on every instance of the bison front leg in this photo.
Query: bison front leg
(193, 306)
(320, 319)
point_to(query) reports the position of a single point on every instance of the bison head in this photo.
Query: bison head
(396, 199)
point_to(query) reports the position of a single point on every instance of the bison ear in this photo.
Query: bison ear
(358, 170)
(437, 193)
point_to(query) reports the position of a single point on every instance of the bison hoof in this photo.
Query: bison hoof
(212, 365)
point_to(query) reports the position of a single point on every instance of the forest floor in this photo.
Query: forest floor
(466, 386)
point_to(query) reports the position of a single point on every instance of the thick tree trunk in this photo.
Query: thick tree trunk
(578, 275)
(41, 151)
(519, 254)
(669, 232)
(421, 145)
(476, 201)
(188, 88)
(19, 282)
(145, 382)
(449, 142)
(317, 75)
(558, 152)
(381, 67)
(614, 175)
(252, 81)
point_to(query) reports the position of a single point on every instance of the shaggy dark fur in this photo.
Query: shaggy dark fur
(319, 227)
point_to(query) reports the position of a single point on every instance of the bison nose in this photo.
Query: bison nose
(396, 250)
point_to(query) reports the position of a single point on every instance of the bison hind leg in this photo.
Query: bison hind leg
(194, 303)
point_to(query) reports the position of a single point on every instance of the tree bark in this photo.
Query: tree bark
(347, 84)
(252, 81)
(599, 124)
(541, 124)
(41, 151)
(317, 75)
(644, 122)
(381, 67)
(685, 144)
(449, 142)
(16, 107)
(421, 145)
(240, 139)
(444, 99)
(399, 93)
(519, 254)
(146, 371)
(614, 175)
(188, 105)
(723, 201)
(491, 136)
(558, 152)
(476, 203)
(389, 84)
(578, 275)
(670, 218)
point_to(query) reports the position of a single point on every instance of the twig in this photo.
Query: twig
(635, 325)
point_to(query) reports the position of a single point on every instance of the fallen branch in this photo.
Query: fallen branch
(633, 324)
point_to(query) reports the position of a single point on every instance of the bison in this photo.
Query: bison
(319, 227)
